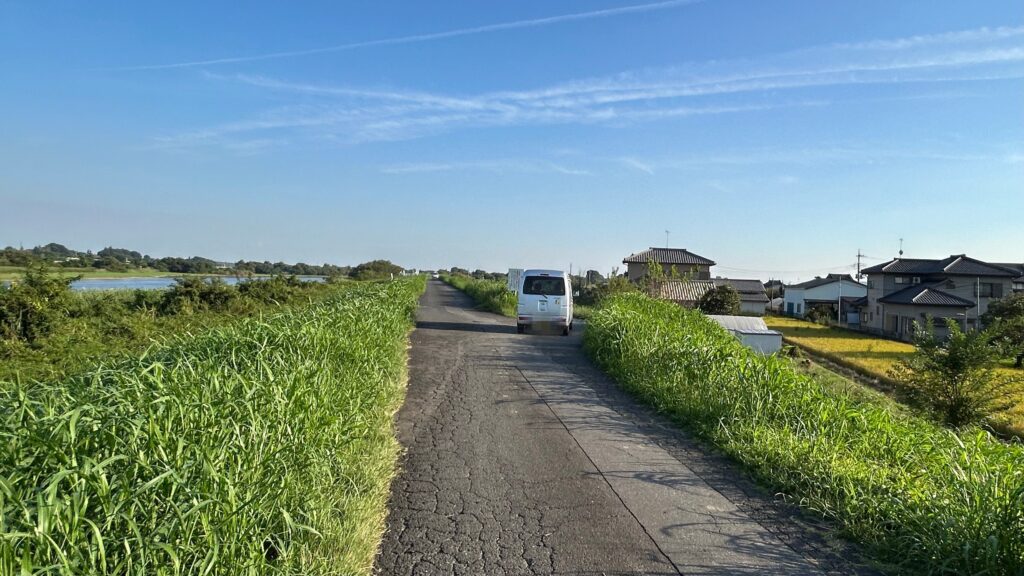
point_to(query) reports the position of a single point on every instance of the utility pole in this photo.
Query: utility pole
(859, 256)
(839, 313)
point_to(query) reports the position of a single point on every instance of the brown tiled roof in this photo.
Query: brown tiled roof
(667, 256)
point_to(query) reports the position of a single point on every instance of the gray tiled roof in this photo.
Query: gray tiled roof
(692, 290)
(955, 265)
(826, 280)
(667, 256)
(750, 290)
(1018, 268)
(922, 295)
(679, 291)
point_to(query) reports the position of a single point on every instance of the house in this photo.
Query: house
(825, 292)
(905, 290)
(687, 293)
(1018, 282)
(751, 332)
(774, 288)
(685, 263)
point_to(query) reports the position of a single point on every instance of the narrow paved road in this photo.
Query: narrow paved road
(524, 459)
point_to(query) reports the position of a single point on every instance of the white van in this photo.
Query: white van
(545, 299)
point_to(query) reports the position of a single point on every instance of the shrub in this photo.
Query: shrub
(32, 308)
(376, 270)
(916, 494)
(274, 290)
(722, 299)
(194, 294)
(955, 379)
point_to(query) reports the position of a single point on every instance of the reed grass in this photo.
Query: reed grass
(263, 447)
(921, 498)
(490, 295)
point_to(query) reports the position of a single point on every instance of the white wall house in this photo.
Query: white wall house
(823, 291)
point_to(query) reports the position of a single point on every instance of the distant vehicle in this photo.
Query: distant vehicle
(435, 276)
(545, 299)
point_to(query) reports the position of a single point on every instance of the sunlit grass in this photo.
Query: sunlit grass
(264, 447)
(920, 497)
(872, 356)
(490, 295)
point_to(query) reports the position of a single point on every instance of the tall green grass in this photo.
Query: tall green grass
(265, 447)
(921, 497)
(490, 295)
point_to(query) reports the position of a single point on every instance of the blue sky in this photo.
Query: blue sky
(775, 137)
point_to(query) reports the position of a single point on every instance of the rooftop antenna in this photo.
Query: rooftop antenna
(901, 247)
(666, 238)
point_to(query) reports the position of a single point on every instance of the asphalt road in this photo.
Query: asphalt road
(521, 458)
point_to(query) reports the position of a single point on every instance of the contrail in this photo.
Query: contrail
(547, 21)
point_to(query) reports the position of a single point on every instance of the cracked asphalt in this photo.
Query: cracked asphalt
(521, 458)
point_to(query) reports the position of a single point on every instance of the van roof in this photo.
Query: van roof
(539, 272)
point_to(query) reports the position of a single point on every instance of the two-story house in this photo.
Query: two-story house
(906, 290)
(694, 278)
(836, 292)
(686, 263)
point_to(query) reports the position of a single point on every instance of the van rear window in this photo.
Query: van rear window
(544, 285)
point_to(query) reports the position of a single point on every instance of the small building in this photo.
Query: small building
(685, 263)
(687, 293)
(751, 332)
(826, 293)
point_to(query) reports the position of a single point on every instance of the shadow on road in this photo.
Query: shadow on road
(466, 327)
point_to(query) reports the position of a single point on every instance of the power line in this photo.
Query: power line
(807, 271)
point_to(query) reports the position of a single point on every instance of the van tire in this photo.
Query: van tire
(565, 331)
(520, 329)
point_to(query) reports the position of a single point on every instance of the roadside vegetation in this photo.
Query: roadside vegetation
(923, 498)
(48, 330)
(490, 295)
(263, 446)
(882, 360)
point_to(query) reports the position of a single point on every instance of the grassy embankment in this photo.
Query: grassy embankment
(94, 325)
(920, 497)
(871, 356)
(261, 447)
(491, 295)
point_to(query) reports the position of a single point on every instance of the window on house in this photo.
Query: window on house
(901, 279)
(799, 308)
(917, 280)
(989, 290)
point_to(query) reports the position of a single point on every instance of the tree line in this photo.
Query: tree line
(122, 260)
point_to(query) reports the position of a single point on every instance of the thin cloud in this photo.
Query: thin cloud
(638, 165)
(417, 38)
(355, 114)
(498, 166)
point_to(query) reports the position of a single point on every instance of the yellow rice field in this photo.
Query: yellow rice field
(865, 353)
